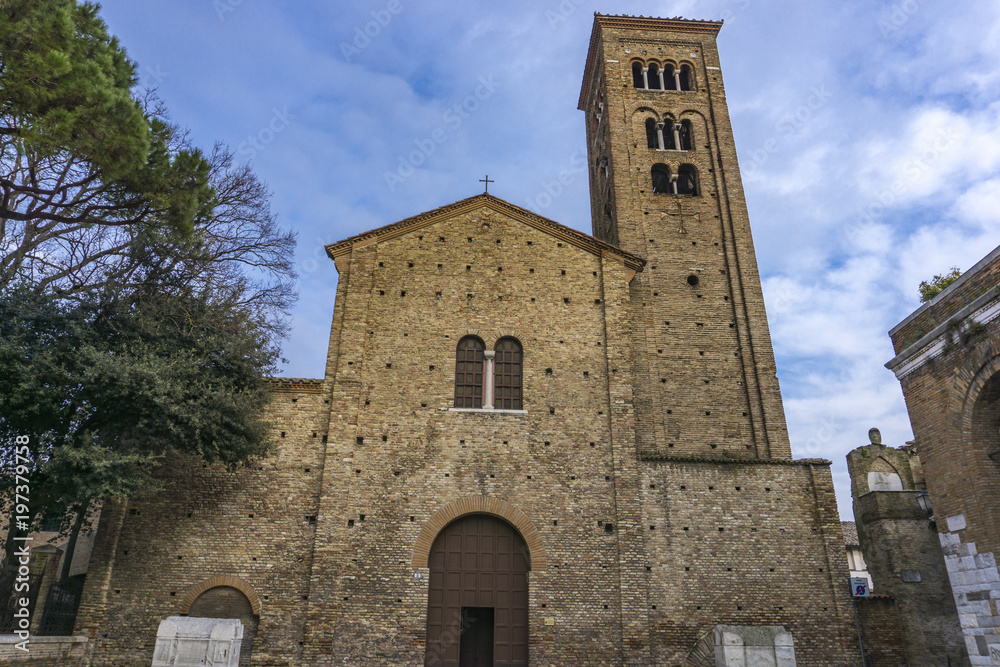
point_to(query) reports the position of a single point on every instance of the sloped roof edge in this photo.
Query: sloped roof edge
(560, 231)
(677, 24)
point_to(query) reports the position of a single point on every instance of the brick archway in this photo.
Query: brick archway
(979, 378)
(223, 580)
(479, 505)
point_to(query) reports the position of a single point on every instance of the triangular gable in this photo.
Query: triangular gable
(597, 247)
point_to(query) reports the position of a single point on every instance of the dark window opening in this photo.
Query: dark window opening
(683, 130)
(684, 78)
(661, 179)
(653, 77)
(669, 77)
(652, 140)
(687, 180)
(637, 75)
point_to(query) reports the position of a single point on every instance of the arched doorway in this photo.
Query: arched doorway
(228, 602)
(477, 602)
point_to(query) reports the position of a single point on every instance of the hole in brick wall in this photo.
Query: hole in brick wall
(552, 411)
(708, 412)
(295, 400)
(563, 272)
(395, 473)
(652, 486)
(652, 527)
(469, 239)
(732, 324)
(282, 434)
(381, 292)
(565, 299)
(548, 371)
(744, 414)
(350, 363)
(461, 442)
(738, 488)
(498, 241)
(688, 569)
(725, 298)
(529, 242)
(491, 476)
(402, 293)
(314, 434)
(359, 440)
(307, 470)
(595, 273)
(529, 476)
(385, 438)
(692, 280)
(607, 478)
(738, 608)
(600, 412)
(701, 353)
(767, 488)
(586, 374)
(598, 345)
(361, 517)
(555, 523)
(447, 474)
(381, 264)
(311, 519)
(559, 245)
(659, 351)
(605, 606)
(327, 401)
(437, 295)
(572, 476)
(357, 472)
(592, 444)
(694, 243)
(597, 302)
(420, 238)
(180, 558)
(713, 446)
(440, 238)
(772, 569)
(173, 593)
(413, 518)
(324, 438)
(410, 264)
(656, 294)
(609, 528)
(532, 299)
(649, 569)
(711, 488)
(667, 323)
(670, 412)
(423, 405)
(389, 365)
(468, 267)
(683, 487)
(468, 296)
(440, 266)
(654, 606)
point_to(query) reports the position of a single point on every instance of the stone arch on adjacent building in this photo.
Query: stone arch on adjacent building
(480, 505)
(226, 597)
(981, 435)
(883, 476)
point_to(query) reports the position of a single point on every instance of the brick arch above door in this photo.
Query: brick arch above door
(479, 505)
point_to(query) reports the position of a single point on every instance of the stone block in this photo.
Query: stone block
(182, 641)
(986, 560)
(949, 539)
(956, 522)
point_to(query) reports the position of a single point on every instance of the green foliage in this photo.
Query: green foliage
(106, 387)
(933, 287)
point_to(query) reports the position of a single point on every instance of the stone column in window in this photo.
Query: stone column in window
(645, 78)
(677, 137)
(660, 144)
(662, 86)
(673, 184)
(488, 357)
(677, 78)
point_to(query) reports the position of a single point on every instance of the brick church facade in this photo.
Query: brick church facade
(529, 445)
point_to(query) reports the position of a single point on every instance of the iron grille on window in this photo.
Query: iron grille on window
(469, 373)
(507, 375)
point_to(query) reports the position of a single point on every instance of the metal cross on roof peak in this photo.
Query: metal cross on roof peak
(487, 181)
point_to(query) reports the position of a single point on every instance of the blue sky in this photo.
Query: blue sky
(866, 131)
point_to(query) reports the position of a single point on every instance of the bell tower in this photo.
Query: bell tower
(665, 184)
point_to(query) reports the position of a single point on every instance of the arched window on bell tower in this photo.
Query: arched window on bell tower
(637, 79)
(653, 77)
(687, 180)
(661, 179)
(685, 80)
(682, 135)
